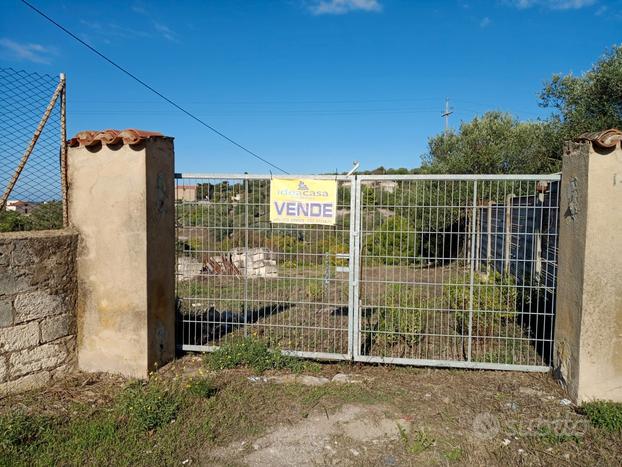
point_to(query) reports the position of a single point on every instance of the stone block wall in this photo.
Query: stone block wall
(38, 292)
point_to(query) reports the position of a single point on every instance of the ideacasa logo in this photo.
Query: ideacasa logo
(303, 191)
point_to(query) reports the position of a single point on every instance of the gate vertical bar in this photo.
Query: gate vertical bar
(472, 269)
(246, 229)
(351, 275)
(355, 252)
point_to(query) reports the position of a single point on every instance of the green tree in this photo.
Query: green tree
(590, 102)
(11, 221)
(496, 142)
(393, 242)
(47, 216)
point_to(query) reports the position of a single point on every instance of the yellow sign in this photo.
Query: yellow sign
(303, 201)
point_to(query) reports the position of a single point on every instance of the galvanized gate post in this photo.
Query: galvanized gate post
(355, 272)
(352, 268)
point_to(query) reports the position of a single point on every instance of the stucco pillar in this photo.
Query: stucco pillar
(121, 201)
(588, 328)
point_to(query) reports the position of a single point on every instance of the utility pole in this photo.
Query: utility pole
(448, 111)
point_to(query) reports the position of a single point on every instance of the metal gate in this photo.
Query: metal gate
(441, 270)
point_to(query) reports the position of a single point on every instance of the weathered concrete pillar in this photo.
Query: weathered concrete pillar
(122, 203)
(588, 328)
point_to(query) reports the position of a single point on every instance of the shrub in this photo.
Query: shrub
(604, 414)
(253, 353)
(201, 387)
(393, 242)
(149, 406)
(324, 251)
(400, 320)
(494, 302)
(316, 291)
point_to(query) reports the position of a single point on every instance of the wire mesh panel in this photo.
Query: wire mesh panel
(30, 165)
(239, 275)
(434, 270)
(456, 270)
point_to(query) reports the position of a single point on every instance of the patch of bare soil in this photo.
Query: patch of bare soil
(354, 431)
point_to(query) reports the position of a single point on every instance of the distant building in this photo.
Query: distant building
(384, 185)
(387, 185)
(23, 207)
(186, 193)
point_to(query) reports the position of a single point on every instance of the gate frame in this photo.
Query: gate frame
(354, 259)
(349, 356)
(468, 364)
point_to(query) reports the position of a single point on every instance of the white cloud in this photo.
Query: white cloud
(35, 53)
(485, 22)
(165, 31)
(341, 7)
(160, 28)
(553, 4)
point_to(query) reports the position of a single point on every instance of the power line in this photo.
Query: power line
(138, 80)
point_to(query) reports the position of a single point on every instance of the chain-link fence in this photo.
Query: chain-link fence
(32, 150)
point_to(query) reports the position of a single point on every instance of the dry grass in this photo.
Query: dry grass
(439, 407)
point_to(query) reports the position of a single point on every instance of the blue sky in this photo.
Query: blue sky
(310, 85)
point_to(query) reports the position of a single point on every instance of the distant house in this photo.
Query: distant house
(16, 205)
(387, 185)
(186, 193)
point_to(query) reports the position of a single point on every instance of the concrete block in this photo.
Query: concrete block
(26, 383)
(36, 305)
(19, 337)
(44, 357)
(188, 268)
(6, 312)
(55, 327)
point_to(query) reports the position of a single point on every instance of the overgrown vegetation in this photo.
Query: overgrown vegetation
(256, 354)
(149, 406)
(416, 442)
(44, 216)
(392, 243)
(552, 436)
(604, 414)
(399, 320)
(219, 419)
(494, 302)
(115, 433)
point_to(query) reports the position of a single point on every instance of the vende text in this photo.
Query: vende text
(298, 209)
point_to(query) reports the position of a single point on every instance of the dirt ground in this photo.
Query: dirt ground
(345, 414)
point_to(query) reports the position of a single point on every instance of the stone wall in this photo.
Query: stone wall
(37, 308)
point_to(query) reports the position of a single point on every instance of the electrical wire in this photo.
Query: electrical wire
(150, 88)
